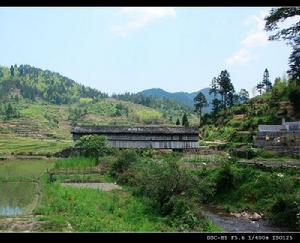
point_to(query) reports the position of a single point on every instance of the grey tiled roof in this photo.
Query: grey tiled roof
(133, 130)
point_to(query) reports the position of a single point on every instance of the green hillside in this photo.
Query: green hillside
(39, 107)
(239, 122)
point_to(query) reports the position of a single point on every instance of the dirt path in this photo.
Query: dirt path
(102, 186)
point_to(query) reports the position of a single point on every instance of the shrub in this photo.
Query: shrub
(225, 179)
(185, 214)
(162, 182)
(93, 146)
(286, 212)
(244, 152)
(122, 163)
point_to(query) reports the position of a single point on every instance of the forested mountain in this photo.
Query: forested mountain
(25, 81)
(171, 110)
(184, 98)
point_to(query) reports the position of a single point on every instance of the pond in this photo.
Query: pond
(17, 198)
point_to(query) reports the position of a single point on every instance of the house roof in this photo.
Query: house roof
(133, 130)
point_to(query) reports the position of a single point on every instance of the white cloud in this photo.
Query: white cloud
(140, 17)
(256, 37)
(241, 56)
(256, 20)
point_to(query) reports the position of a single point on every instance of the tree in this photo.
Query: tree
(225, 88)
(214, 90)
(266, 80)
(260, 87)
(294, 61)
(10, 112)
(294, 96)
(214, 87)
(185, 121)
(200, 102)
(12, 71)
(243, 96)
(289, 34)
(93, 146)
(278, 15)
(177, 122)
(216, 106)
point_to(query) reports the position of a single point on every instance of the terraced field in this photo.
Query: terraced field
(44, 129)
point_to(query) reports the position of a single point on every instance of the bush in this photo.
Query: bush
(185, 214)
(123, 162)
(265, 153)
(286, 212)
(162, 182)
(225, 179)
(244, 152)
(93, 146)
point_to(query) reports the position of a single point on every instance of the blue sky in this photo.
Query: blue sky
(131, 49)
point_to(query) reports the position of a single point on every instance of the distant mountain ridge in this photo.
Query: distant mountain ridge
(184, 98)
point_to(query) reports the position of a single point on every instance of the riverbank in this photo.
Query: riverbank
(231, 223)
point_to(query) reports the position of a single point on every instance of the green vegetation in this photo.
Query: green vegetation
(275, 101)
(246, 188)
(92, 210)
(38, 108)
(185, 121)
(288, 33)
(200, 103)
(33, 83)
(177, 192)
(93, 146)
(75, 162)
(170, 110)
(143, 204)
(23, 169)
(31, 146)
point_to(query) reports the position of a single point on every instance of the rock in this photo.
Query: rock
(245, 215)
(255, 216)
(238, 215)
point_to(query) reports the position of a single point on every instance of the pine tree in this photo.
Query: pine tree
(185, 121)
(243, 96)
(214, 90)
(226, 88)
(177, 122)
(288, 33)
(266, 80)
(294, 61)
(12, 71)
(200, 102)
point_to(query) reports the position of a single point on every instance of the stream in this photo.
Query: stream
(234, 224)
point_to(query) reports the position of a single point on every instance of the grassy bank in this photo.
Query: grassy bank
(125, 210)
(274, 193)
(91, 210)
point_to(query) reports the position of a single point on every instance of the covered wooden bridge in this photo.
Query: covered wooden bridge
(157, 137)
